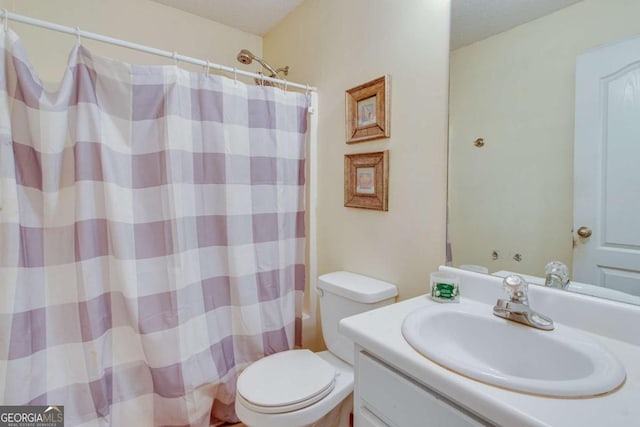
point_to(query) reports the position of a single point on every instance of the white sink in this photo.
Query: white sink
(468, 339)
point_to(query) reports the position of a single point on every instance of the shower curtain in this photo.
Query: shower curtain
(151, 238)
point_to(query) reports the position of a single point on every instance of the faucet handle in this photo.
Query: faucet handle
(557, 274)
(516, 288)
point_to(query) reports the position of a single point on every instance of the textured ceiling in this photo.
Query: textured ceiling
(251, 16)
(471, 20)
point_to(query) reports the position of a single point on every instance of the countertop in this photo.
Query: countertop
(379, 332)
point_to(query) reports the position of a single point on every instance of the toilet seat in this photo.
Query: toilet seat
(285, 382)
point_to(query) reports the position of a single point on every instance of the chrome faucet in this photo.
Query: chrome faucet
(517, 308)
(557, 275)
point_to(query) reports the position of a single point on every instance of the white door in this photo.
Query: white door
(607, 167)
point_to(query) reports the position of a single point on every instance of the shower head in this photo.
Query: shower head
(246, 57)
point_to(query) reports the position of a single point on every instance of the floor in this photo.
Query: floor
(242, 425)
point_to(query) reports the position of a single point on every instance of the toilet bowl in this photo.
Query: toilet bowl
(299, 388)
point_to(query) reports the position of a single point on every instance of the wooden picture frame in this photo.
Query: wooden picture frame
(367, 111)
(366, 180)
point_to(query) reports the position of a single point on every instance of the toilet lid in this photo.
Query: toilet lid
(286, 381)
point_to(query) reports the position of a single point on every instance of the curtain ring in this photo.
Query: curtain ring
(286, 84)
(5, 19)
(78, 35)
(307, 95)
(208, 66)
(235, 75)
(175, 58)
(262, 79)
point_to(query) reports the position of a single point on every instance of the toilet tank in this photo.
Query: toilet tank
(343, 294)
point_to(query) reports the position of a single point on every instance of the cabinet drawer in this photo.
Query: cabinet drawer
(388, 397)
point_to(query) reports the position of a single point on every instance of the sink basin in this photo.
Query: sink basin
(468, 339)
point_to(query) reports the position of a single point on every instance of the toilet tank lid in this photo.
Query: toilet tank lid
(357, 287)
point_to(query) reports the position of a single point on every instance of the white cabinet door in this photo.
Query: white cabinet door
(385, 397)
(607, 167)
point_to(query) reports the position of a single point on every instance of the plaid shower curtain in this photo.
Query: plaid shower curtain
(151, 238)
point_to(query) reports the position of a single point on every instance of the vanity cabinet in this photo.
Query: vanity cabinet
(386, 397)
(397, 386)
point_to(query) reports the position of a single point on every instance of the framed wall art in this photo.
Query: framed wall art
(367, 111)
(366, 180)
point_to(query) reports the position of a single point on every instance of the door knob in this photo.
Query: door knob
(584, 232)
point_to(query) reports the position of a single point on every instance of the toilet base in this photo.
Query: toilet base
(339, 416)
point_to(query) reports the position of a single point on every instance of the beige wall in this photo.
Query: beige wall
(336, 45)
(516, 90)
(138, 21)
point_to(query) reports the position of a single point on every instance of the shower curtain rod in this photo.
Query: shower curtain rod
(142, 48)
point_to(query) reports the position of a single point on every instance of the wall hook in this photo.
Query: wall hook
(479, 142)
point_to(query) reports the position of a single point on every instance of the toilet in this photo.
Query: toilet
(299, 388)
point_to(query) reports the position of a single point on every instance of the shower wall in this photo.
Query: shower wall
(138, 21)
